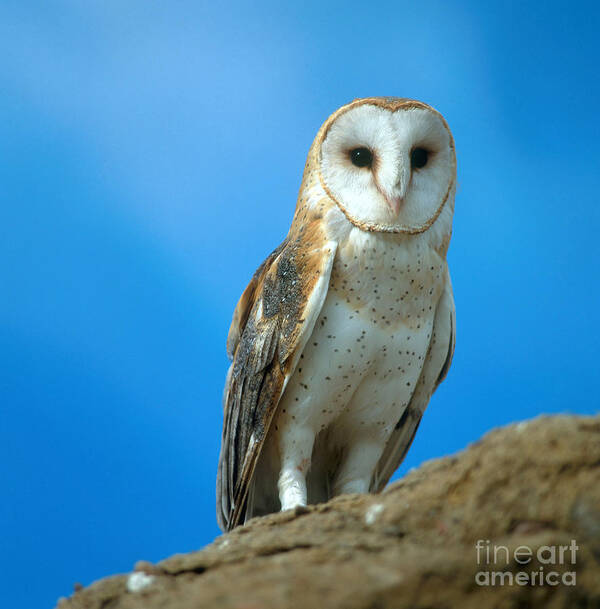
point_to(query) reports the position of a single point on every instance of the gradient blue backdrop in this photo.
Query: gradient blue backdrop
(150, 156)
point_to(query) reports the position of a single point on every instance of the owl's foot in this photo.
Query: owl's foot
(356, 472)
(357, 485)
(292, 488)
(295, 446)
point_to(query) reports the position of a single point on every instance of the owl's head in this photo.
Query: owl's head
(388, 163)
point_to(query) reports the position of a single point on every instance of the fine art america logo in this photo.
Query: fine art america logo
(539, 565)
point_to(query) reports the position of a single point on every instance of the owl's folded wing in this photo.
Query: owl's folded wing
(435, 368)
(271, 324)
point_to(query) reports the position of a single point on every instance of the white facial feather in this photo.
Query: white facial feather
(369, 194)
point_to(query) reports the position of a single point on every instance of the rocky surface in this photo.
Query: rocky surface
(532, 484)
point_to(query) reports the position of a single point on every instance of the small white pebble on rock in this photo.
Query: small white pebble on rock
(373, 513)
(139, 580)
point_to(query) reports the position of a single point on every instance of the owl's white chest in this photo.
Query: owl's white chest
(363, 360)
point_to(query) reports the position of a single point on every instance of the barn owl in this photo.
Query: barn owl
(345, 331)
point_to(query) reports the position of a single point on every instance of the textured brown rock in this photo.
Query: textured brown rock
(532, 484)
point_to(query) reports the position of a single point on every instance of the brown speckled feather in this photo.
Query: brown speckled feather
(406, 428)
(271, 324)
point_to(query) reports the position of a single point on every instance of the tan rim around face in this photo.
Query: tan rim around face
(393, 104)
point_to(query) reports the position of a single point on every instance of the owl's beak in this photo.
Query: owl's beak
(395, 198)
(394, 204)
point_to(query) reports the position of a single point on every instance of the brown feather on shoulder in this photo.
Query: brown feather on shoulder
(271, 324)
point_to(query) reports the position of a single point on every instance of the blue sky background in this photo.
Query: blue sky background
(150, 158)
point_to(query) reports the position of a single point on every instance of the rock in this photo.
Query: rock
(524, 492)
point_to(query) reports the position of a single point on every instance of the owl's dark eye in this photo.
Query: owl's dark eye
(418, 158)
(361, 157)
